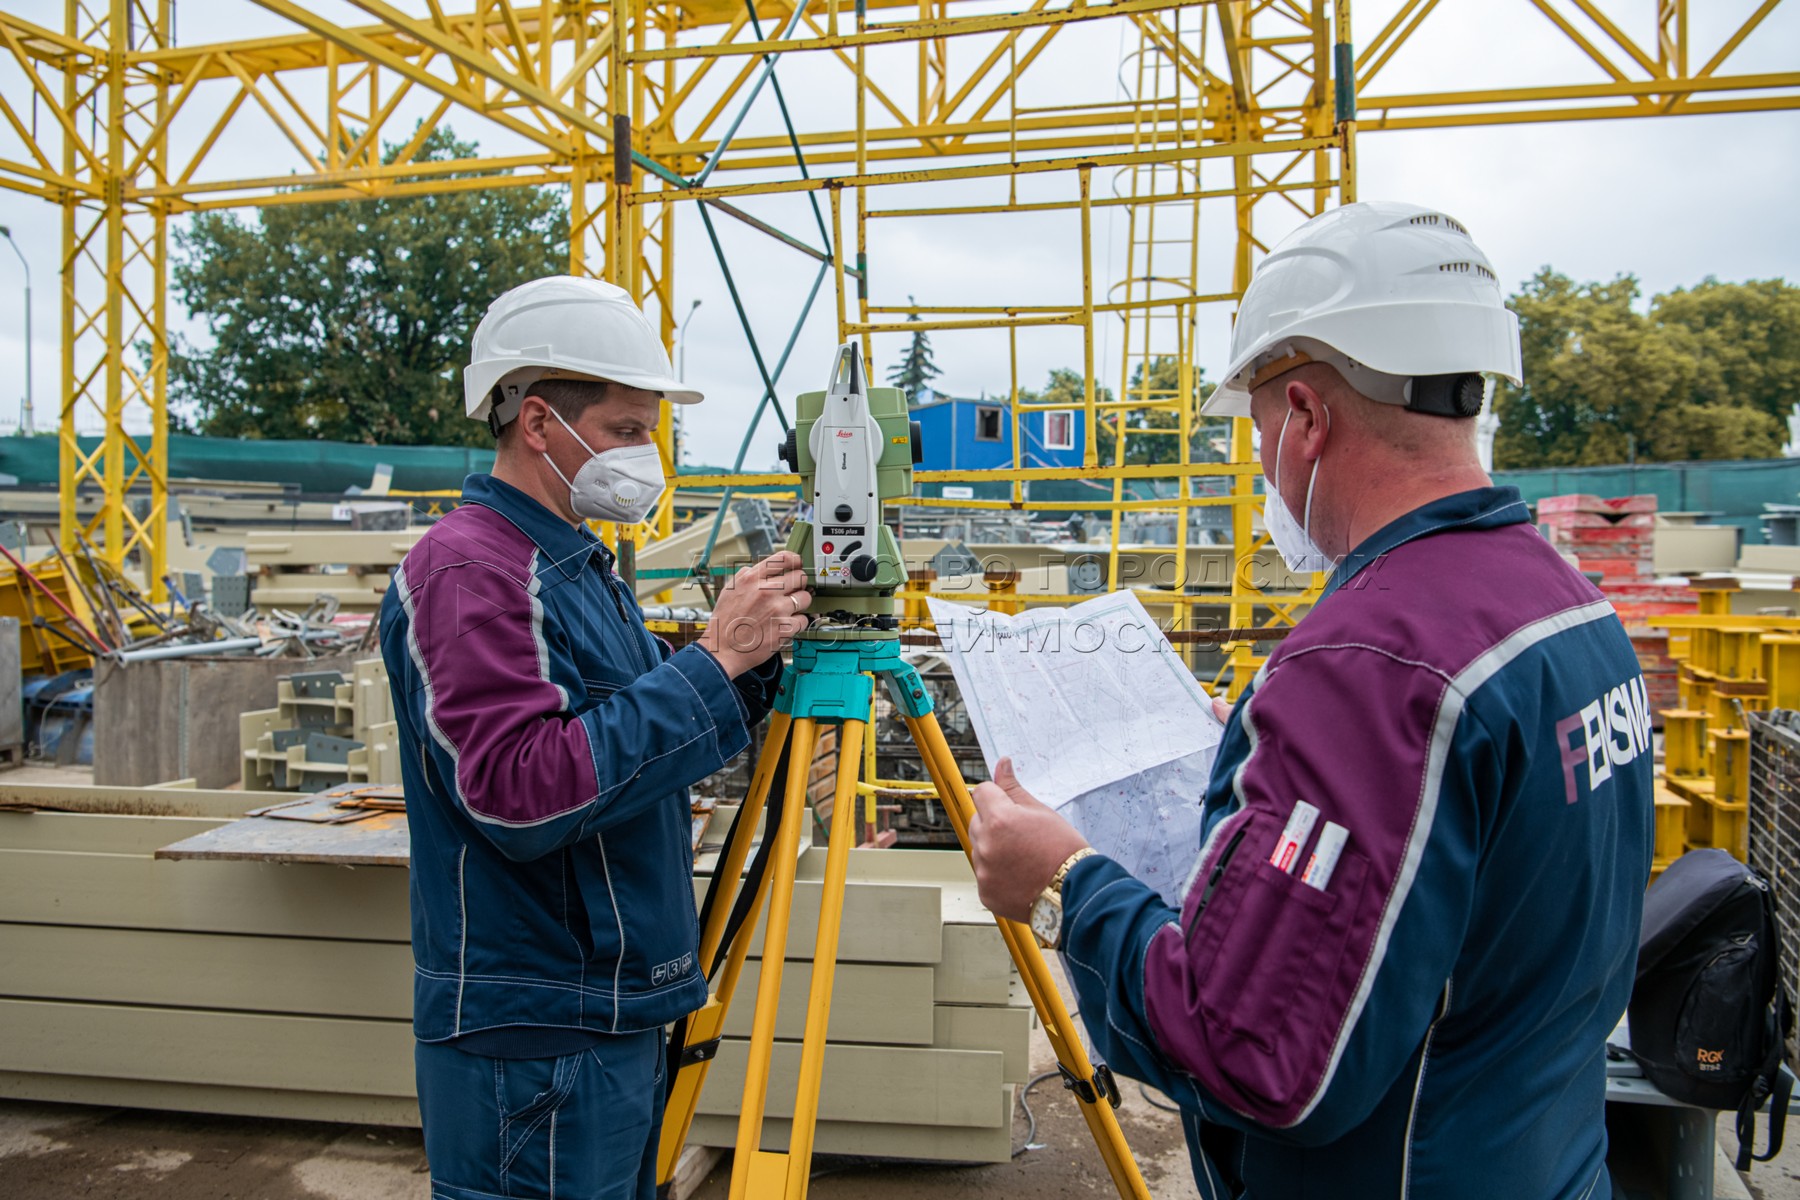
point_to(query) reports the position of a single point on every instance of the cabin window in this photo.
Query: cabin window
(987, 424)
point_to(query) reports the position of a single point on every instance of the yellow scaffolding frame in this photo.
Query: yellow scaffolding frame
(634, 106)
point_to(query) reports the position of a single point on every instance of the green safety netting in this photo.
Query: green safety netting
(317, 467)
(1731, 493)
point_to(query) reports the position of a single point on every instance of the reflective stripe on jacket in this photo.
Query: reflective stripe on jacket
(547, 741)
(1432, 1022)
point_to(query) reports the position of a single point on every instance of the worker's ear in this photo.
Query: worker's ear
(1309, 422)
(531, 428)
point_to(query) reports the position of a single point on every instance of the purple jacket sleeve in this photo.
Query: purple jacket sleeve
(507, 743)
(1290, 1007)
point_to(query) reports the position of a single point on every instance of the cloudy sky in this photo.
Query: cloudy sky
(1671, 201)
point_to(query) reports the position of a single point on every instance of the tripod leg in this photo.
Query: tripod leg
(824, 968)
(731, 860)
(704, 1026)
(1065, 1039)
(751, 1167)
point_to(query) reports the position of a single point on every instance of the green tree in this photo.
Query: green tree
(1158, 384)
(915, 369)
(1747, 338)
(351, 320)
(1703, 374)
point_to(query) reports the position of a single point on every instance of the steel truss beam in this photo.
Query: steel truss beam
(629, 103)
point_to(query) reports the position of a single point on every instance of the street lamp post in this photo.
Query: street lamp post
(27, 420)
(681, 344)
(681, 374)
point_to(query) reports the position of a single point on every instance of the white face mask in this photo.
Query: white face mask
(621, 484)
(1293, 539)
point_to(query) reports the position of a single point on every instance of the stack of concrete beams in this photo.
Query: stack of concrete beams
(326, 729)
(252, 988)
(285, 989)
(928, 1040)
(293, 567)
(1616, 540)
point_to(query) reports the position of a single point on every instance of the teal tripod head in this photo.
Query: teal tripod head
(854, 446)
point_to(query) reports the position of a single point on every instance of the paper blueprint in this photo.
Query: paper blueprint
(1101, 718)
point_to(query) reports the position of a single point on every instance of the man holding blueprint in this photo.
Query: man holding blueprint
(1099, 718)
(1410, 919)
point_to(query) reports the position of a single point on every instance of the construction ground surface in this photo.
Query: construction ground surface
(58, 1151)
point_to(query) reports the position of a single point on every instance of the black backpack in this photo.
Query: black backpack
(1709, 1015)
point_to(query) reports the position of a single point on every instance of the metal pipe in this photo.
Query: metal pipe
(65, 635)
(671, 612)
(223, 646)
(28, 418)
(86, 596)
(120, 631)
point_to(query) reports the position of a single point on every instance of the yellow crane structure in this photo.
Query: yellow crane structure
(910, 111)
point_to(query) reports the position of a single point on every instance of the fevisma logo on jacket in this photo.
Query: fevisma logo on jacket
(1611, 730)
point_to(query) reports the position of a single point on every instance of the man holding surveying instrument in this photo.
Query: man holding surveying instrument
(547, 744)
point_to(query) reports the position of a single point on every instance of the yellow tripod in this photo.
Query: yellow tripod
(831, 681)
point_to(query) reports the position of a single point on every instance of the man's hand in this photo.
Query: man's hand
(759, 610)
(1017, 843)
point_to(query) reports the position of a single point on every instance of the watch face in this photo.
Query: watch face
(1046, 920)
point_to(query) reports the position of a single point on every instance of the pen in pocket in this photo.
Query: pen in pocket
(1324, 858)
(1299, 828)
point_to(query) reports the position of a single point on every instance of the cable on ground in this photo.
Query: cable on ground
(1153, 1102)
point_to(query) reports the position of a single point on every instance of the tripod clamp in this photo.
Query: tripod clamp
(1089, 1091)
(699, 1052)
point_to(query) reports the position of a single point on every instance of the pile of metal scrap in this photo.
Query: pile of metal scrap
(964, 524)
(43, 600)
(82, 608)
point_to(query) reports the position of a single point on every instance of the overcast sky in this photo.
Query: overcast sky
(1670, 200)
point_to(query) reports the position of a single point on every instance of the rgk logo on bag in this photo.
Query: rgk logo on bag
(1709, 1060)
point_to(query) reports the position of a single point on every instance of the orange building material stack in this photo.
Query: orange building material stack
(1616, 539)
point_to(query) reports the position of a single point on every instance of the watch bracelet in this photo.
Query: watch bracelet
(1062, 872)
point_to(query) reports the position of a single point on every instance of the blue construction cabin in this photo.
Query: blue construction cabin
(961, 434)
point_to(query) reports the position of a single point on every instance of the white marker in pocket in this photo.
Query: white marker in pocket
(1324, 858)
(1299, 828)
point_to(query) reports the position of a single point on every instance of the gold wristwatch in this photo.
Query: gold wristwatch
(1046, 910)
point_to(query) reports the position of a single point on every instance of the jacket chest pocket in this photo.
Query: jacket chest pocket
(1264, 942)
(599, 689)
(618, 648)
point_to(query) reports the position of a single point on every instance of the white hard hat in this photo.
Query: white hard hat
(564, 326)
(1395, 288)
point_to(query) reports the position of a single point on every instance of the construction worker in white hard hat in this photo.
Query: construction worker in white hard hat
(548, 741)
(1412, 921)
